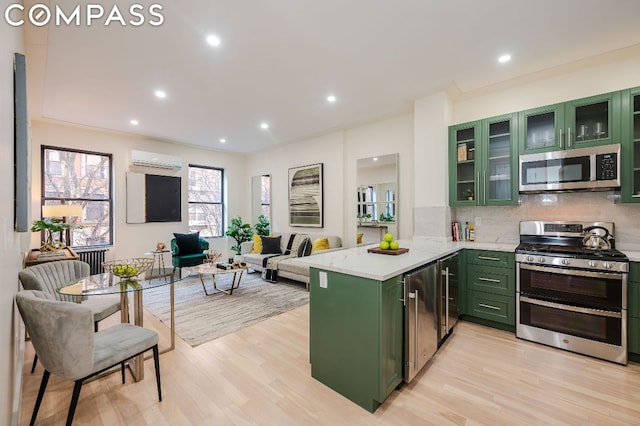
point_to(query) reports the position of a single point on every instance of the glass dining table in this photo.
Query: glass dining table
(107, 283)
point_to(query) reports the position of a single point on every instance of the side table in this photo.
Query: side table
(158, 258)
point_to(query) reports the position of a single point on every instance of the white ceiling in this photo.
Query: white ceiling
(279, 59)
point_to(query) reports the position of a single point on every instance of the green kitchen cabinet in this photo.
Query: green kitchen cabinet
(633, 311)
(484, 162)
(356, 335)
(630, 143)
(490, 286)
(579, 123)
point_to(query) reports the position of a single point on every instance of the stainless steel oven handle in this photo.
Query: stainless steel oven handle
(579, 272)
(578, 309)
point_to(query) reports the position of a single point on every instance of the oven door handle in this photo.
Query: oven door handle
(588, 311)
(579, 272)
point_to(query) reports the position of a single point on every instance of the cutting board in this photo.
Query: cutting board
(396, 252)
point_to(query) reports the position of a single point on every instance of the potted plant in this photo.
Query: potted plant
(240, 232)
(262, 227)
(468, 193)
(49, 226)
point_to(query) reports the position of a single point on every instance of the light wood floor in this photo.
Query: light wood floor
(261, 375)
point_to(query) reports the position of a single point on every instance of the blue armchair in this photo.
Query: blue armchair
(181, 260)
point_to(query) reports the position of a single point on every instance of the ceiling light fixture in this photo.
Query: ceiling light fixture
(213, 40)
(504, 59)
(223, 140)
(264, 126)
(331, 98)
(375, 158)
(134, 122)
(161, 94)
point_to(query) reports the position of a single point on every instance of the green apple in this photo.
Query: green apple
(394, 245)
(388, 237)
(384, 245)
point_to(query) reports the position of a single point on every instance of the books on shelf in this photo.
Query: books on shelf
(462, 152)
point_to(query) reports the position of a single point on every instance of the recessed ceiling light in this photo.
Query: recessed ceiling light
(223, 140)
(504, 58)
(134, 122)
(264, 126)
(213, 40)
(331, 98)
(161, 94)
(375, 158)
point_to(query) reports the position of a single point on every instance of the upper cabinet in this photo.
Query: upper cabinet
(483, 162)
(576, 124)
(630, 190)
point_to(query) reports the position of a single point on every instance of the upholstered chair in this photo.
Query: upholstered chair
(47, 277)
(63, 337)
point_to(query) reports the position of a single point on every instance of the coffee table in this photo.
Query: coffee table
(214, 271)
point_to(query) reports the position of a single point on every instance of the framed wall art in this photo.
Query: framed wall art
(306, 204)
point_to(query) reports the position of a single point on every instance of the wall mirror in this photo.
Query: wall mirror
(377, 195)
(260, 197)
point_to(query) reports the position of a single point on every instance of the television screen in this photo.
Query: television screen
(162, 198)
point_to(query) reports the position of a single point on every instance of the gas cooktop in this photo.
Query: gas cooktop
(573, 251)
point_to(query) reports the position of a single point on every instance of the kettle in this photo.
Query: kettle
(594, 241)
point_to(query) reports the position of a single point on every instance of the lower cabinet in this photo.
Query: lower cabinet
(633, 312)
(490, 287)
(356, 335)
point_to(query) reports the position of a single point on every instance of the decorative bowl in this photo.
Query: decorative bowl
(128, 268)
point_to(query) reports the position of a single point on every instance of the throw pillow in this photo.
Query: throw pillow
(304, 249)
(257, 244)
(188, 243)
(320, 244)
(359, 240)
(271, 245)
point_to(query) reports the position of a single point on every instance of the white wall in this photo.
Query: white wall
(339, 152)
(132, 240)
(13, 244)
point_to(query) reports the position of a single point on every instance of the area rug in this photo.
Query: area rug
(200, 318)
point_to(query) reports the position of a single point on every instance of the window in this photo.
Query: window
(265, 196)
(206, 200)
(81, 178)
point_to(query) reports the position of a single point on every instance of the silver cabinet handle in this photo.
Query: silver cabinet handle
(495, 308)
(561, 144)
(569, 137)
(495, 259)
(484, 187)
(404, 292)
(491, 280)
(446, 304)
(415, 332)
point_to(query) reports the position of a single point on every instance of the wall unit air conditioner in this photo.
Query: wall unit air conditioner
(158, 161)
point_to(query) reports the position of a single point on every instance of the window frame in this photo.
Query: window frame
(109, 200)
(222, 203)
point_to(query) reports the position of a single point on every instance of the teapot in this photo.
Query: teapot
(595, 241)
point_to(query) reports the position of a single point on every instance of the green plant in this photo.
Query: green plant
(240, 232)
(262, 227)
(49, 226)
(386, 218)
(468, 193)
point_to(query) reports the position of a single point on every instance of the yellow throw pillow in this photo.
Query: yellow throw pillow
(359, 240)
(257, 244)
(319, 244)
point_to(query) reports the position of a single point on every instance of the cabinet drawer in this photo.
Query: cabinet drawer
(634, 271)
(491, 258)
(492, 307)
(491, 280)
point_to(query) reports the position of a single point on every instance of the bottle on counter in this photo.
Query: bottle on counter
(472, 233)
(466, 231)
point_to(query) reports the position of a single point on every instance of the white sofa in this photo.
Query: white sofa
(292, 268)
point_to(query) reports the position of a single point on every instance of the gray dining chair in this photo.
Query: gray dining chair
(47, 277)
(63, 337)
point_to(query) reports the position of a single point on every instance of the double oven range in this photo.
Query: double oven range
(572, 288)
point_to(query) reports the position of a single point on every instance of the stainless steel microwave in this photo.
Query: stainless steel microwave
(595, 168)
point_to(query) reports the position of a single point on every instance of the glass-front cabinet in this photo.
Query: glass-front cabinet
(630, 190)
(581, 123)
(484, 162)
(463, 141)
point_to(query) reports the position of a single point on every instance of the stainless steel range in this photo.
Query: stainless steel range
(572, 288)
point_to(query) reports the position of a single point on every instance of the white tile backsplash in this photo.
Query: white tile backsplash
(500, 224)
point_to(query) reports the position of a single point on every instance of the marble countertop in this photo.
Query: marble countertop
(357, 261)
(633, 256)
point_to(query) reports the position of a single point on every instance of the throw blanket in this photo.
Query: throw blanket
(270, 264)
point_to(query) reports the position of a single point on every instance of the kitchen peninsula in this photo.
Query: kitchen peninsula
(357, 319)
